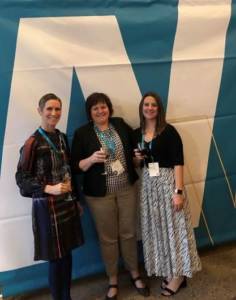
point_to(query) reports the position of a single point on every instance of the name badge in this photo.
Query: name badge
(153, 169)
(117, 167)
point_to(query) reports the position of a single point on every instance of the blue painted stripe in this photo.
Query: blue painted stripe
(8, 32)
(149, 42)
(77, 113)
(217, 202)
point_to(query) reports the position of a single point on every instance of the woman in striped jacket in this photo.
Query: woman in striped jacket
(43, 173)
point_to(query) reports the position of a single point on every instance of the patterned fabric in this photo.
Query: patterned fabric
(56, 223)
(168, 239)
(114, 182)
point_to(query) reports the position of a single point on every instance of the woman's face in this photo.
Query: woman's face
(100, 113)
(150, 108)
(50, 114)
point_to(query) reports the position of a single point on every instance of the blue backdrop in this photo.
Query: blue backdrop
(148, 30)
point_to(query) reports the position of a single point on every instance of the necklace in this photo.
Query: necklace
(107, 138)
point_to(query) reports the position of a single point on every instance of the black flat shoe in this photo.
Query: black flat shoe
(171, 293)
(115, 286)
(144, 291)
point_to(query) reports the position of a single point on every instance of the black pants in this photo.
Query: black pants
(59, 277)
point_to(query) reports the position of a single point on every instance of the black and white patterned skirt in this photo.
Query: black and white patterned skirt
(168, 240)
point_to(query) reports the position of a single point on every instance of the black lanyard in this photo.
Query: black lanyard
(150, 144)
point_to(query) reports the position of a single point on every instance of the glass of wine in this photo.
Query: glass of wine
(142, 149)
(106, 152)
(67, 180)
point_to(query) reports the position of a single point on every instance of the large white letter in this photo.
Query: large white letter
(47, 50)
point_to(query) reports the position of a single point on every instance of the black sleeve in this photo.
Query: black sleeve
(77, 151)
(131, 135)
(26, 180)
(175, 148)
(137, 137)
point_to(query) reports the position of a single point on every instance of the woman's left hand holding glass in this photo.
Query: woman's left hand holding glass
(138, 157)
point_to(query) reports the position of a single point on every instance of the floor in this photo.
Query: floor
(217, 281)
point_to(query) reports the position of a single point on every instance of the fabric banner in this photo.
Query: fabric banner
(184, 50)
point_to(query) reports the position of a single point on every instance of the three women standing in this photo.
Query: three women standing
(168, 240)
(103, 151)
(43, 173)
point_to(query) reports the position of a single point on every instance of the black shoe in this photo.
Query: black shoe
(171, 293)
(164, 283)
(115, 286)
(144, 291)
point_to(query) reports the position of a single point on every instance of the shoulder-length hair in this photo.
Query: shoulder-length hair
(161, 117)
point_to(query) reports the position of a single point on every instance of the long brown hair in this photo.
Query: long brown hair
(161, 116)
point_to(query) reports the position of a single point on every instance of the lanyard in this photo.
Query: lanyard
(41, 131)
(107, 138)
(149, 144)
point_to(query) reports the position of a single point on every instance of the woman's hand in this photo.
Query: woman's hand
(178, 202)
(58, 189)
(98, 157)
(138, 157)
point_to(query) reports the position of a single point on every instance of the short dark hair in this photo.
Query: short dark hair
(45, 98)
(160, 119)
(96, 98)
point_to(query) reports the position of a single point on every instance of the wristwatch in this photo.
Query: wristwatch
(178, 192)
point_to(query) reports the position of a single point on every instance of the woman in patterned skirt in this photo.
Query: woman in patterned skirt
(43, 173)
(103, 150)
(168, 239)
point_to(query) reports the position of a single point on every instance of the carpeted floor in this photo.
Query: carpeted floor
(217, 281)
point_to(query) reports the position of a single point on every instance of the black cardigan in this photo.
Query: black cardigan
(85, 143)
(167, 147)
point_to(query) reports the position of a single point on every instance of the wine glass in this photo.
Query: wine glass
(67, 180)
(106, 152)
(142, 149)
